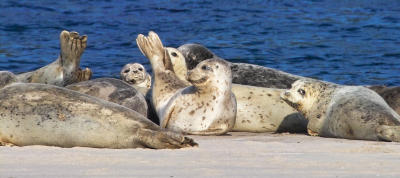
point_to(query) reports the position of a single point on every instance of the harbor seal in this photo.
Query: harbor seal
(135, 74)
(351, 112)
(258, 109)
(113, 90)
(41, 114)
(208, 107)
(65, 70)
(245, 74)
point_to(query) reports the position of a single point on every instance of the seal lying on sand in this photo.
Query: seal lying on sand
(40, 114)
(135, 74)
(113, 90)
(245, 74)
(351, 112)
(258, 109)
(65, 70)
(206, 108)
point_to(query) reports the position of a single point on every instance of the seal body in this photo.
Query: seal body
(135, 74)
(39, 114)
(390, 94)
(351, 112)
(258, 109)
(207, 107)
(262, 110)
(113, 90)
(65, 70)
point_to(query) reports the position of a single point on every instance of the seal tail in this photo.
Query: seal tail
(388, 133)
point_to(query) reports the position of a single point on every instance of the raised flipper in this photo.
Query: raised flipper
(388, 133)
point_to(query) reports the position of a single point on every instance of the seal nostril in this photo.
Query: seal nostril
(135, 71)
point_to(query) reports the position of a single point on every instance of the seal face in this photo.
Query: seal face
(351, 112)
(207, 107)
(55, 116)
(113, 90)
(135, 74)
(65, 70)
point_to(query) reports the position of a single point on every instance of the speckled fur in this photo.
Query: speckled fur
(113, 90)
(39, 114)
(351, 112)
(258, 109)
(208, 107)
(65, 70)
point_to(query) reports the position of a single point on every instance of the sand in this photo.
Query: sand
(235, 155)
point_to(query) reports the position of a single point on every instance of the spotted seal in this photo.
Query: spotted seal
(41, 114)
(208, 107)
(113, 90)
(135, 74)
(65, 70)
(351, 112)
(259, 109)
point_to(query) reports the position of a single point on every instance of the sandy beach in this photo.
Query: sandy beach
(234, 155)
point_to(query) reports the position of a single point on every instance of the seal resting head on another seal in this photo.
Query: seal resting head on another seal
(351, 112)
(258, 109)
(242, 73)
(208, 107)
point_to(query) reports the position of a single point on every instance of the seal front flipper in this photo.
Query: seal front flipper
(388, 133)
(164, 139)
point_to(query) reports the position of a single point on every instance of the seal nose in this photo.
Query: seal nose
(285, 94)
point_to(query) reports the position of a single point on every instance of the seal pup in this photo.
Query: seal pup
(135, 74)
(351, 112)
(113, 90)
(258, 109)
(41, 114)
(65, 70)
(245, 74)
(208, 107)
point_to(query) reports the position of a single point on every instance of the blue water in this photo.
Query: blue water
(348, 42)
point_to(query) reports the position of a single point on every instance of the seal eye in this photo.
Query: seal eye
(126, 71)
(141, 69)
(174, 54)
(204, 67)
(301, 91)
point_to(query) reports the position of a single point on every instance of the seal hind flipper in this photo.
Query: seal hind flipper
(164, 139)
(388, 133)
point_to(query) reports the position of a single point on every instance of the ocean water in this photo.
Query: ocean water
(354, 42)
